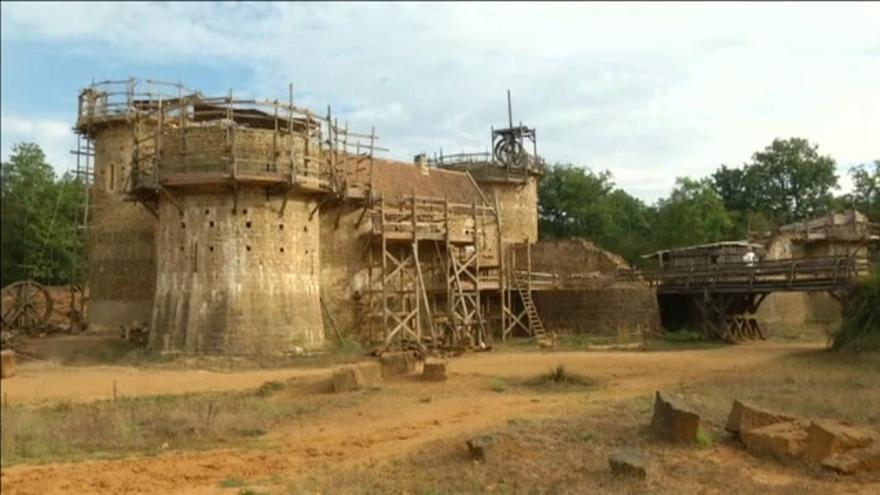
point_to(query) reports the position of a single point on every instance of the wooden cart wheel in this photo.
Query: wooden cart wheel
(26, 306)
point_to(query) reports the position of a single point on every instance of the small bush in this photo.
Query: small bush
(498, 385)
(860, 329)
(269, 388)
(560, 378)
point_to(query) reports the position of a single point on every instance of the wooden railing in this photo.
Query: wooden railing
(787, 275)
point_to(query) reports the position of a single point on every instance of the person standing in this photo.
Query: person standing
(750, 258)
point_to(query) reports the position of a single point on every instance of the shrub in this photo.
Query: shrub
(560, 378)
(860, 329)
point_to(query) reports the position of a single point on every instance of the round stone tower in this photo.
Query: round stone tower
(237, 190)
(121, 248)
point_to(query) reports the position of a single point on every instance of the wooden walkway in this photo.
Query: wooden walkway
(828, 274)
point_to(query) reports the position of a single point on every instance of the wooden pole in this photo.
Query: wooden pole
(384, 270)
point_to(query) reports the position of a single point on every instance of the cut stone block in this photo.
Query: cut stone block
(784, 441)
(479, 447)
(7, 363)
(434, 370)
(744, 416)
(397, 363)
(826, 438)
(348, 379)
(856, 460)
(627, 463)
(673, 421)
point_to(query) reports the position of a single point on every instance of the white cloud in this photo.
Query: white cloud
(54, 136)
(649, 91)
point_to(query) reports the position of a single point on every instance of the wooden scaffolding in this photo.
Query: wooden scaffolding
(428, 272)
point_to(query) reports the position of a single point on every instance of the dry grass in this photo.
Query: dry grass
(812, 384)
(84, 350)
(570, 454)
(145, 425)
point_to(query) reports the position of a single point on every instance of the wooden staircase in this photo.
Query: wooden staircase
(520, 280)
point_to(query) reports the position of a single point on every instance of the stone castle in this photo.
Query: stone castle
(258, 227)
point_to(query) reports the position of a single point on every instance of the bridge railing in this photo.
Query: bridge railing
(798, 274)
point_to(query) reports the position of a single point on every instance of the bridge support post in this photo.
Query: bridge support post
(730, 316)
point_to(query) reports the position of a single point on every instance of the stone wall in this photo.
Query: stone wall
(570, 256)
(605, 312)
(122, 257)
(785, 309)
(519, 208)
(243, 281)
(345, 264)
(796, 308)
(209, 148)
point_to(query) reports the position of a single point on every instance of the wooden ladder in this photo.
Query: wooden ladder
(535, 324)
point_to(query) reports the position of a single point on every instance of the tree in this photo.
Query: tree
(568, 201)
(866, 189)
(788, 181)
(693, 214)
(576, 202)
(39, 219)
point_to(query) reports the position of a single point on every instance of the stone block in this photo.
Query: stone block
(7, 363)
(784, 441)
(349, 378)
(744, 416)
(673, 421)
(479, 447)
(628, 463)
(826, 438)
(397, 363)
(856, 460)
(434, 370)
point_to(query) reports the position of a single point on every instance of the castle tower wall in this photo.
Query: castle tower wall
(237, 279)
(122, 258)
(238, 242)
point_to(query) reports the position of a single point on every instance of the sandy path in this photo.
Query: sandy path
(39, 384)
(387, 423)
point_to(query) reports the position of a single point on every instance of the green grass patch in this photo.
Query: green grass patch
(684, 335)
(583, 437)
(498, 385)
(704, 440)
(232, 483)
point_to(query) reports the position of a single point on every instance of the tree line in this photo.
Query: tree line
(40, 214)
(788, 181)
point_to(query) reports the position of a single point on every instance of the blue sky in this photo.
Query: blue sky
(647, 91)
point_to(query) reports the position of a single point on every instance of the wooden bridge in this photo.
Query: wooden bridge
(728, 295)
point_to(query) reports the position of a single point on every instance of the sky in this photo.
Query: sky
(648, 91)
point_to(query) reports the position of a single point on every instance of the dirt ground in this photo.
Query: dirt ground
(407, 436)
